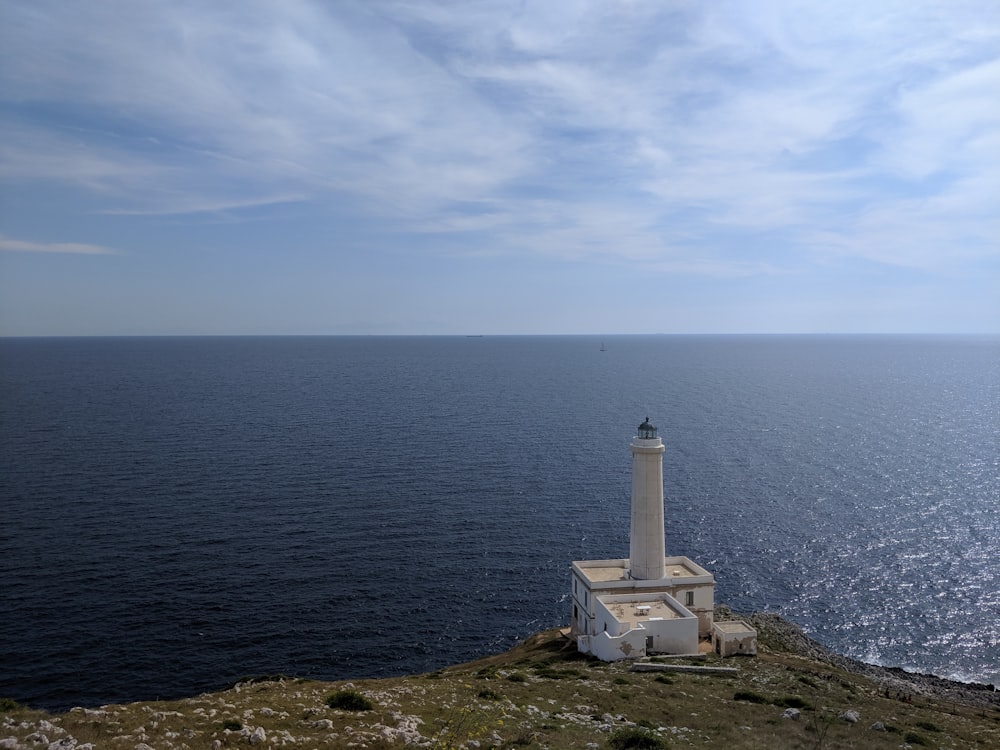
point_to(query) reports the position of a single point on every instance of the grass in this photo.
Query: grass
(510, 701)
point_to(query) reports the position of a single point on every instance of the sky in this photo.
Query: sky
(189, 167)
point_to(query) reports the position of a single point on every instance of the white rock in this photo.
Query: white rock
(9, 743)
(66, 743)
(47, 726)
(258, 736)
(791, 713)
(851, 716)
(878, 726)
(322, 724)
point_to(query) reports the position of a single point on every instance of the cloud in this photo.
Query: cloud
(674, 135)
(9, 244)
(228, 107)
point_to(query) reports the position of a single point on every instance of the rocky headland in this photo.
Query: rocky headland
(543, 694)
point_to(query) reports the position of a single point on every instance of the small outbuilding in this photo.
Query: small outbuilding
(734, 638)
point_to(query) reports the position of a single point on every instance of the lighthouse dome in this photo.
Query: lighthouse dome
(647, 430)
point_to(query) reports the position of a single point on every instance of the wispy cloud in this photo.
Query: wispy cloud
(9, 244)
(199, 205)
(636, 130)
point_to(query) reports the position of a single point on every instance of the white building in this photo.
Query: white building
(648, 603)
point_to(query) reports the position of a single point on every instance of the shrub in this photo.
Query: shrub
(808, 681)
(232, 725)
(550, 674)
(9, 704)
(349, 700)
(793, 701)
(929, 726)
(490, 695)
(621, 681)
(633, 738)
(516, 677)
(522, 740)
(749, 696)
(912, 738)
(664, 679)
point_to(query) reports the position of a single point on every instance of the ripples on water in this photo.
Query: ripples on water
(178, 513)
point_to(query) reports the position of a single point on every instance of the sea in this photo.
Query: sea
(180, 513)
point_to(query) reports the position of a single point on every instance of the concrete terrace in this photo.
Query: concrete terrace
(680, 570)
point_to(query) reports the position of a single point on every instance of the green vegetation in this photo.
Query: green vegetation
(535, 696)
(793, 701)
(635, 739)
(349, 700)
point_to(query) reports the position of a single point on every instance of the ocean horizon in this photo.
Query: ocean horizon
(180, 512)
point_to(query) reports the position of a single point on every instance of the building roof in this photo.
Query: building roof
(641, 609)
(679, 570)
(733, 627)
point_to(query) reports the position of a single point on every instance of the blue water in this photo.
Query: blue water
(180, 512)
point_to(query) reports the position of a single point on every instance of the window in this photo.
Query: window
(689, 599)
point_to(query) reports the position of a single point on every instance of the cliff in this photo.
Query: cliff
(543, 694)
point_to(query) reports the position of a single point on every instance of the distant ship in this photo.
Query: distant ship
(603, 347)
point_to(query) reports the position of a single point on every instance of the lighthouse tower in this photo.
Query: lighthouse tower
(647, 558)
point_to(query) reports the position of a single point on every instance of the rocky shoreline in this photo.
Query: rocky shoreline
(781, 635)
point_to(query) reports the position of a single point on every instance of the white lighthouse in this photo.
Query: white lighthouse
(647, 603)
(646, 546)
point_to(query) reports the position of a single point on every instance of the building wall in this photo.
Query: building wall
(700, 599)
(616, 639)
(743, 641)
(583, 597)
(607, 647)
(582, 614)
